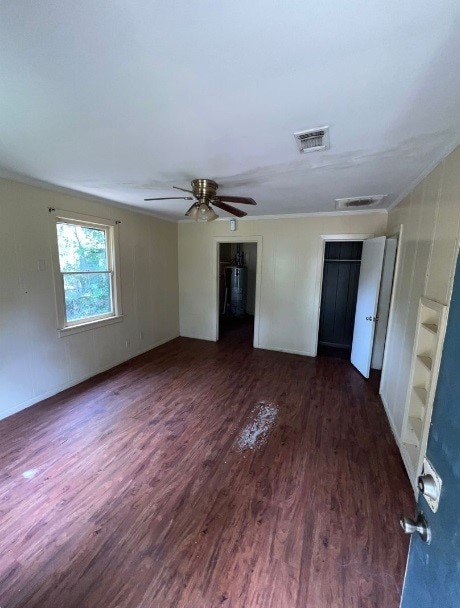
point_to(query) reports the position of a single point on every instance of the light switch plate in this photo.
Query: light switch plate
(428, 469)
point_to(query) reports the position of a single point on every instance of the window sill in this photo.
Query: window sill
(76, 329)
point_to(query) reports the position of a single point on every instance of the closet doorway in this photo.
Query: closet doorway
(356, 295)
(238, 269)
(342, 263)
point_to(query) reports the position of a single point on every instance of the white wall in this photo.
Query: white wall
(290, 274)
(428, 250)
(34, 361)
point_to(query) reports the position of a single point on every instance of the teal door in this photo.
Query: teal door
(433, 571)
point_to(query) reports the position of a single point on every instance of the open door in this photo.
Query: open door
(432, 575)
(367, 302)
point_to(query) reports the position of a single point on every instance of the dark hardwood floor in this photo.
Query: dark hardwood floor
(140, 488)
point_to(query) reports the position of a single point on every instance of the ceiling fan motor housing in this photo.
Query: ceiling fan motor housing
(204, 193)
(204, 188)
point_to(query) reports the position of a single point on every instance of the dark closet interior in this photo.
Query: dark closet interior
(342, 261)
(237, 289)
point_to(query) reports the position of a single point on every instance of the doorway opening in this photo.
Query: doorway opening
(237, 290)
(357, 287)
(342, 262)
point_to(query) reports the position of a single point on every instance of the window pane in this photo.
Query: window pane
(81, 248)
(87, 295)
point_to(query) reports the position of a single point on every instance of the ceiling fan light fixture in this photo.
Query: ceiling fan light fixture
(192, 213)
(204, 195)
(206, 213)
(212, 215)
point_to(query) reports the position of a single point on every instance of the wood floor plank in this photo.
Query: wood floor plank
(133, 488)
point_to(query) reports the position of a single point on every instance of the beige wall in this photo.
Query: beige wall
(430, 216)
(34, 361)
(290, 274)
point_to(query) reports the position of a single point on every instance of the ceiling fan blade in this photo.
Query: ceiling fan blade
(235, 199)
(228, 208)
(183, 189)
(171, 198)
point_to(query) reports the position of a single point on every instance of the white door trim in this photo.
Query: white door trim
(319, 283)
(238, 239)
(398, 234)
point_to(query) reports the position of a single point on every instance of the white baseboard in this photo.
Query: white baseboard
(62, 387)
(260, 346)
(152, 346)
(197, 337)
(289, 351)
(390, 421)
(400, 445)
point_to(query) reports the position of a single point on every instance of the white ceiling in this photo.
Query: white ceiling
(124, 99)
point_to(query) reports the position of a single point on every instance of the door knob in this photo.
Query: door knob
(420, 525)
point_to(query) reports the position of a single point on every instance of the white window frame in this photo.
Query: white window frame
(110, 228)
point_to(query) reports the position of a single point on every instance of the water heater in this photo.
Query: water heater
(237, 286)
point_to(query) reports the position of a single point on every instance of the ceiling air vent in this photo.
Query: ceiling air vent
(312, 140)
(358, 202)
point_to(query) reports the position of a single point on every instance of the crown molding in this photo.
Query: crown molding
(445, 152)
(293, 216)
(37, 183)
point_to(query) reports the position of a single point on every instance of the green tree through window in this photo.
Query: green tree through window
(84, 260)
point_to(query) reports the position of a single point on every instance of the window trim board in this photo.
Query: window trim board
(65, 328)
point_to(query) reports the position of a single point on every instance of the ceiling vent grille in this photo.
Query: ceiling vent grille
(358, 202)
(312, 140)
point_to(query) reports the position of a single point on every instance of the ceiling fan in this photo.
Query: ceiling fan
(204, 195)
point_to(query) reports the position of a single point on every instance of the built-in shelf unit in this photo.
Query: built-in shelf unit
(426, 358)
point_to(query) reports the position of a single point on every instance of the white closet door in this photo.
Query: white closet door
(367, 302)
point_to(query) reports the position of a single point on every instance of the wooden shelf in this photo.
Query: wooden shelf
(431, 327)
(422, 394)
(414, 431)
(417, 426)
(418, 402)
(425, 361)
(426, 356)
(412, 454)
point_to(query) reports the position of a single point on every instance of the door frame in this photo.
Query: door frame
(238, 239)
(398, 263)
(325, 238)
